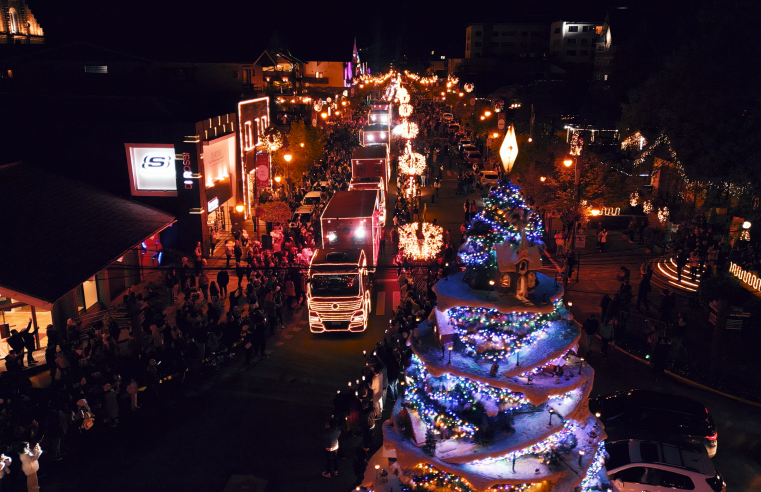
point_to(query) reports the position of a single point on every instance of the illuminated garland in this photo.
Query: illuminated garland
(491, 335)
(592, 481)
(403, 95)
(541, 447)
(577, 143)
(453, 79)
(663, 214)
(405, 110)
(430, 478)
(406, 129)
(634, 199)
(433, 241)
(272, 141)
(410, 162)
(540, 369)
(634, 141)
(647, 206)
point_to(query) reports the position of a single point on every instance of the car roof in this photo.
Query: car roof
(687, 456)
(313, 193)
(490, 173)
(304, 209)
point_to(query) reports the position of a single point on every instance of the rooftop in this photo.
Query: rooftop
(64, 232)
(371, 152)
(351, 204)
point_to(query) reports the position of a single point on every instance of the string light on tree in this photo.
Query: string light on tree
(405, 110)
(647, 206)
(663, 214)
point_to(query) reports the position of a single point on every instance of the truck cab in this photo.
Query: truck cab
(338, 291)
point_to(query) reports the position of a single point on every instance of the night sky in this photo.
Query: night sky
(238, 30)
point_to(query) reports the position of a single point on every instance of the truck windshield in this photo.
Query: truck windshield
(335, 285)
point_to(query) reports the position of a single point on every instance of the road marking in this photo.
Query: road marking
(397, 298)
(380, 305)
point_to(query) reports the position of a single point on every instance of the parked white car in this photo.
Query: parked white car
(636, 465)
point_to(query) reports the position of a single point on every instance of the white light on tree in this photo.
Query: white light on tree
(647, 206)
(411, 162)
(634, 199)
(272, 142)
(663, 214)
(421, 247)
(405, 110)
(509, 150)
(406, 129)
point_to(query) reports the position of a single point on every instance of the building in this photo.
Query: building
(605, 48)
(507, 40)
(75, 248)
(573, 43)
(18, 25)
(327, 74)
(277, 68)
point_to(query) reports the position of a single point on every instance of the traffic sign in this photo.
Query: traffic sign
(581, 240)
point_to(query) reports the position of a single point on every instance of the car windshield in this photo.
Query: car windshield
(618, 454)
(335, 285)
(311, 200)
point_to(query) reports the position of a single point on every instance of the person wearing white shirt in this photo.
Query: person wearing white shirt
(30, 464)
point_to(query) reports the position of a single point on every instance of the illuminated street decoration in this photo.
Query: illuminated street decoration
(647, 206)
(634, 199)
(469, 87)
(405, 110)
(509, 150)
(272, 142)
(411, 162)
(663, 214)
(421, 247)
(406, 129)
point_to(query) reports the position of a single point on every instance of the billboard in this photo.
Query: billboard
(219, 159)
(152, 169)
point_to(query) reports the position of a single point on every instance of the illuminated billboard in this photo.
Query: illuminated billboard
(151, 169)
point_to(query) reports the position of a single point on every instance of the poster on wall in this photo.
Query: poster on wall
(218, 159)
(262, 170)
(152, 170)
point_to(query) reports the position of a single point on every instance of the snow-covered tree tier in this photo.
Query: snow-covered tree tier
(495, 377)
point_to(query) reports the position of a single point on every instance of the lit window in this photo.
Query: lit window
(14, 20)
(96, 69)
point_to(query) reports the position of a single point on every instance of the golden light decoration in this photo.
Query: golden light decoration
(634, 141)
(406, 129)
(647, 206)
(272, 142)
(663, 214)
(423, 248)
(318, 106)
(405, 110)
(403, 95)
(577, 142)
(634, 198)
(469, 87)
(411, 162)
(508, 152)
(453, 79)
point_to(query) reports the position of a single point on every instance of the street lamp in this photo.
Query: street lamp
(287, 157)
(568, 162)
(487, 113)
(277, 179)
(542, 179)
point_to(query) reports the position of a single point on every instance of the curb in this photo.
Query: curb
(683, 379)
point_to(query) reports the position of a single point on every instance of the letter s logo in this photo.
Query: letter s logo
(156, 161)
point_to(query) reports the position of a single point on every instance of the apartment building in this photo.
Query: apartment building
(573, 43)
(507, 40)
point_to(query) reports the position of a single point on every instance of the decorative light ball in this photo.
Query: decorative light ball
(469, 87)
(425, 248)
(405, 110)
(318, 106)
(663, 214)
(647, 206)
(406, 129)
(411, 162)
(634, 199)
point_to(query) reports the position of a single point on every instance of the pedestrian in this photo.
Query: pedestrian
(681, 261)
(223, 278)
(382, 247)
(214, 292)
(604, 306)
(602, 239)
(229, 250)
(559, 243)
(203, 284)
(240, 272)
(16, 342)
(111, 405)
(247, 343)
(5, 467)
(667, 300)
(27, 335)
(213, 242)
(606, 334)
(132, 390)
(694, 264)
(29, 457)
(644, 289)
(591, 326)
(330, 442)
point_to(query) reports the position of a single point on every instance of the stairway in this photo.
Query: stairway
(665, 276)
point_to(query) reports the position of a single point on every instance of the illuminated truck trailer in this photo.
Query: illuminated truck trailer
(338, 291)
(369, 162)
(352, 220)
(374, 135)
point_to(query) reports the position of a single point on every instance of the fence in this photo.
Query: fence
(633, 327)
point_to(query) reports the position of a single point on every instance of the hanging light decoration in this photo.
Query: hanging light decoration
(406, 129)
(663, 214)
(647, 206)
(469, 87)
(509, 150)
(421, 247)
(403, 95)
(318, 106)
(411, 162)
(405, 110)
(634, 198)
(272, 142)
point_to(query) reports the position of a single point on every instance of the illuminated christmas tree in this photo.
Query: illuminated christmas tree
(495, 374)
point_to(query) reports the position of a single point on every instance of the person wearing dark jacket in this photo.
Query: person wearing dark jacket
(16, 342)
(644, 289)
(330, 442)
(591, 326)
(223, 278)
(29, 343)
(240, 272)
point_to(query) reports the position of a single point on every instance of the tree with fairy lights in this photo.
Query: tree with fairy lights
(495, 377)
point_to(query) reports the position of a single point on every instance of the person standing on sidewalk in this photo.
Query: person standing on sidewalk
(382, 246)
(213, 242)
(644, 289)
(330, 442)
(602, 238)
(606, 333)
(591, 326)
(223, 278)
(229, 250)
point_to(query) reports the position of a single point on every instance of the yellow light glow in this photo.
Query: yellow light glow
(487, 113)
(568, 162)
(746, 225)
(509, 150)
(411, 162)
(542, 179)
(530, 139)
(594, 212)
(287, 157)
(239, 208)
(461, 94)
(301, 144)
(483, 118)
(425, 248)
(278, 179)
(324, 115)
(495, 135)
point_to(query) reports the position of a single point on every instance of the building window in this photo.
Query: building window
(570, 52)
(584, 41)
(600, 47)
(573, 28)
(583, 53)
(14, 20)
(571, 41)
(588, 29)
(477, 44)
(96, 69)
(605, 77)
(478, 34)
(557, 30)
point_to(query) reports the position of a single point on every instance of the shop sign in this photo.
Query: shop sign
(212, 205)
(152, 169)
(187, 171)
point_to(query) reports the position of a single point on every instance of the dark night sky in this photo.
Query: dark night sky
(238, 30)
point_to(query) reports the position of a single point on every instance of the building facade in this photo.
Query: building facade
(573, 43)
(507, 40)
(18, 25)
